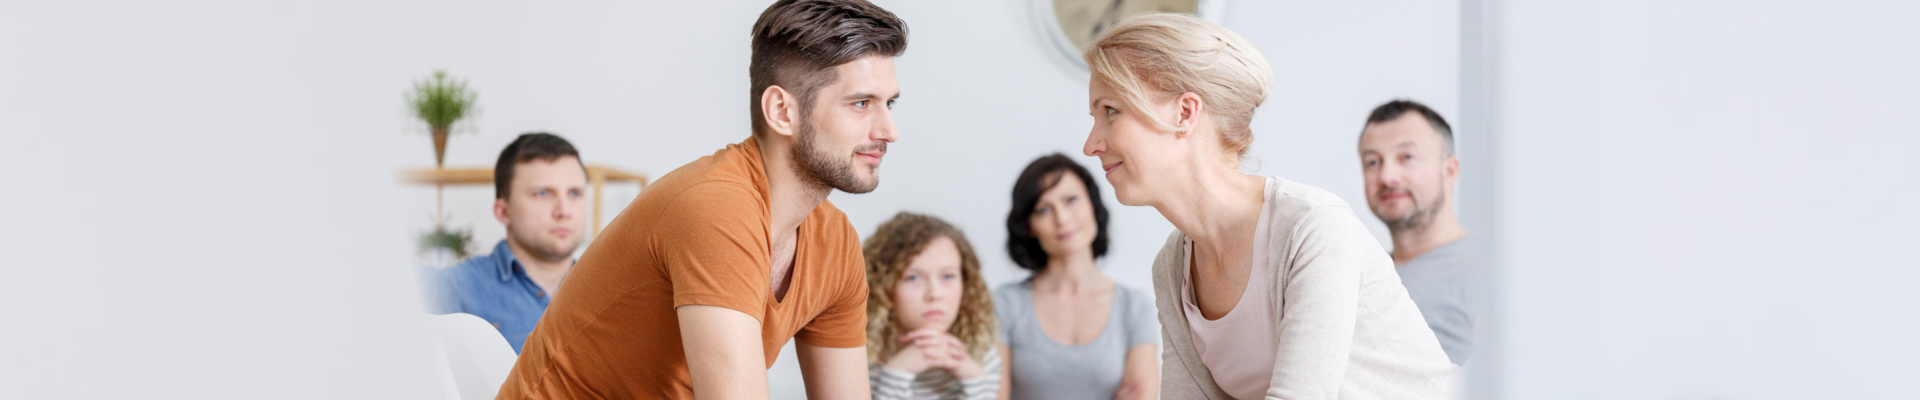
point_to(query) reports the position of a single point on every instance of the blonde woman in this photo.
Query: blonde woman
(1269, 288)
(930, 322)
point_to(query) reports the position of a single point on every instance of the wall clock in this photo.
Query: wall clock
(1072, 24)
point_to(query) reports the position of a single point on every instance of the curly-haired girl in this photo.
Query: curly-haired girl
(930, 321)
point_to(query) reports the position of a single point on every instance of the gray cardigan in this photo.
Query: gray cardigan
(1346, 328)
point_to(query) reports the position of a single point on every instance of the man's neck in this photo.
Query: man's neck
(545, 273)
(1409, 244)
(791, 197)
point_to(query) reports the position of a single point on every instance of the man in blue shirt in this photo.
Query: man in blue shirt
(539, 190)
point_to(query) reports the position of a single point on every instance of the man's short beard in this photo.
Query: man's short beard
(548, 251)
(823, 169)
(1421, 215)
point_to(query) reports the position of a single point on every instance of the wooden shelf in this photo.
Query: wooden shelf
(597, 176)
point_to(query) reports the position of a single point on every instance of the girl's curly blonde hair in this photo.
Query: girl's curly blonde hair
(888, 251)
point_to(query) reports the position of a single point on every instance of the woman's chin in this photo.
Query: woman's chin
(1126, 198)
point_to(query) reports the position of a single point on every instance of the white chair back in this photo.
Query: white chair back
(475, 358)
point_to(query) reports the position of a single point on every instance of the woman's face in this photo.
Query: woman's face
(928, 292)
(1134, 153)
(1063, 219)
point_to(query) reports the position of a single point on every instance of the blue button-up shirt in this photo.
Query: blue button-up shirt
(494, 287)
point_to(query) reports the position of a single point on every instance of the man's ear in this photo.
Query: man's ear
(500, 210)
(1452, 168)
(780, 109)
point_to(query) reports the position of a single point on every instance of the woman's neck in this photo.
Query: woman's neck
(1070, 273)
(1216, 207)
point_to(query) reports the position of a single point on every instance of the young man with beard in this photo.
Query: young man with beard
(1406, 153)
(694, 288)
(539, 189)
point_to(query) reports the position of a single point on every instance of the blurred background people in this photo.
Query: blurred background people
(1071, 332)
(930, 322)
(1269, 288)
(539, 189)
(1406, 153)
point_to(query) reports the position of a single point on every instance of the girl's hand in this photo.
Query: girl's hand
(942, 351)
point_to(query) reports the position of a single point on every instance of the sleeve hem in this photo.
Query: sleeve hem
(702, 301)
(835, 343)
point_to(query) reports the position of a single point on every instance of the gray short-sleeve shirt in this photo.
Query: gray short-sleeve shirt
(1437, 282)
(1046, 369)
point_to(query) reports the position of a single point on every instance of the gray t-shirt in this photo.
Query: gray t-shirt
(1046, 369)
(1438, 281)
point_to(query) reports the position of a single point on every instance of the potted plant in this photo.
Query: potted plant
(445, 247)
(441, 102)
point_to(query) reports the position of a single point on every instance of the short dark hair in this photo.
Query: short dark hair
(796, 44)
(1040, 176)
(1394, 109)
(528, 147)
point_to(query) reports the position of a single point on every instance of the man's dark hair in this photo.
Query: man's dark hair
(528, 147)
(796, 44)
(1394, 109)
(1040, 176)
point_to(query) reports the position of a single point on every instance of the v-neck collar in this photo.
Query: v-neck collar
(793, 271)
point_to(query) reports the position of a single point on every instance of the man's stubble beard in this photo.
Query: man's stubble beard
(823, 169)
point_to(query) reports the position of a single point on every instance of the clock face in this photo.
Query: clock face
(1080, 21)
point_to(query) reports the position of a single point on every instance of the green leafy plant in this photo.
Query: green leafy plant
(441, 102)
(454, 241)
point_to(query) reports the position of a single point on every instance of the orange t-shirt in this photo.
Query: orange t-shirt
(698, 236)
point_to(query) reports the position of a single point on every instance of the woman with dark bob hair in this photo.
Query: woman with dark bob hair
(1070, 332)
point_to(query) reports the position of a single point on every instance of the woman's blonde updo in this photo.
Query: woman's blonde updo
(1164, 55)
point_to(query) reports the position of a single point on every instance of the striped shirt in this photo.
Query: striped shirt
(935, 384)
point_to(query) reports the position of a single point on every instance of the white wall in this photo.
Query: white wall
(200, 201)
(207, 190)
(1708, 200)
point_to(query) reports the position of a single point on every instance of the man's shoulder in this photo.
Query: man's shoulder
(722, 168)
(827, 225)
(830, 217)
(477, 266)
(721, 185)
(1448, 259)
